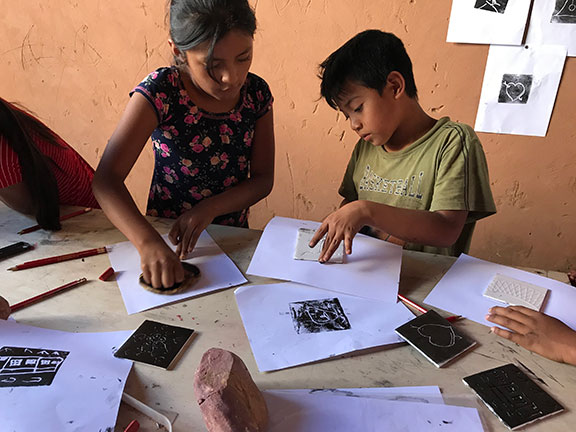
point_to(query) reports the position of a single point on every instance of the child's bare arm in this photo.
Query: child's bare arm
(190, 225)
(160, 265)
(4, 308)
(439, 228)
(536, 332)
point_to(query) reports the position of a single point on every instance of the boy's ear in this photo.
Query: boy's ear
(397, 83)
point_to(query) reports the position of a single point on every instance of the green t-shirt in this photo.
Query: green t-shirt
(443, 170)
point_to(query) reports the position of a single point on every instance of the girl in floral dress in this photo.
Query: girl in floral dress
(211, 125)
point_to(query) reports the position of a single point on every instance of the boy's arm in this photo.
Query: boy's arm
(536, 332)
(189, 226)
(439, 228)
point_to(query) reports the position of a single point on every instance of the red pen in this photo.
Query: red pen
(59, 258)
(46, 294)
(424, 310)
(62, 218)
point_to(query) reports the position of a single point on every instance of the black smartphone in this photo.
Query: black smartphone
(15, 249)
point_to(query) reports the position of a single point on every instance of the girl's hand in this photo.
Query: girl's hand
(188, 227)
(342, 225)
(4, 308)
(160, 265)
(536, 332)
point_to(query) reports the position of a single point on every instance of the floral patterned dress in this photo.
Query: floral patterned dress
(199, 154)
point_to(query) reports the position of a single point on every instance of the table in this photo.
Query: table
(97, 306)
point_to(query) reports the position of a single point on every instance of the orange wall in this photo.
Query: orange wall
(74, 62)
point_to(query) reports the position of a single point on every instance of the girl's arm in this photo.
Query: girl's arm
(257, 186)
(160, 265)
(18, 198)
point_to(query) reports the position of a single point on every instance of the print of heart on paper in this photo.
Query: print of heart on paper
(515, 89)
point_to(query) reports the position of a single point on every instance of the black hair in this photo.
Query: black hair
(16, 126)
(366, 59)
(193, 22)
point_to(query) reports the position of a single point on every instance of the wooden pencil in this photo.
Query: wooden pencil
(424, 310)
(59, 258)
(46, 294)
(62, 218)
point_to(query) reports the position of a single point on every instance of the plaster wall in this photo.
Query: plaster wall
(73, 64)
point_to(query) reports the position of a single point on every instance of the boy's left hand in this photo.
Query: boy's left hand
(535, 331)
(342, 225)
(188, 227)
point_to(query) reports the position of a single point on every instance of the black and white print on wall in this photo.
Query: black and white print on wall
(29, 367)
(316, 316)
(564, 12)
(515, 89)
(498, 6)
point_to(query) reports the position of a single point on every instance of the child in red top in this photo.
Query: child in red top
(38, 170)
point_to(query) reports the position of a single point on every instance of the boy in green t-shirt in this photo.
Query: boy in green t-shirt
(413, 179)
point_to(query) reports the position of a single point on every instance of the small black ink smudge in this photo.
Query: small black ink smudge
(92, 377)
(155, 385)
(70, 422)
(447, 422)
(119, 380)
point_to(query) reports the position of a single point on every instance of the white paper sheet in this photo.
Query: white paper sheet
(498, 22)
(86, 389)
(290, 324)
(421, 394)
(460, 291)
(217, 271)
(519, 89)
(553, 22)
(372, 271)
(300, 412)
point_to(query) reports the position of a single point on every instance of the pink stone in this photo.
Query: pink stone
(228, 397)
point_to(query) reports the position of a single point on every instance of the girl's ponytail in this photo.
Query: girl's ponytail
(36, 173)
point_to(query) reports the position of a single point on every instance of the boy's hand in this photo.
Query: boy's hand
(536, 332)
(188, 227)
(342, 225)
(4, 308)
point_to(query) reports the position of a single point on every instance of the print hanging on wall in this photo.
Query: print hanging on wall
(553, 22)
(315, 316)
(29, 367)
(564, 12)
(519, 89)
(498, 6)
(497, 22)
(515, 88)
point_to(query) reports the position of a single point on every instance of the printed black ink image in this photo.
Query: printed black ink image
(512, 396)
(515, 89)
(29, 367)
(564, 12)
(315, 316)
(155, 344)
(498, 6)
(435, 338)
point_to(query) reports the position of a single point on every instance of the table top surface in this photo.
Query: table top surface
(97, 306)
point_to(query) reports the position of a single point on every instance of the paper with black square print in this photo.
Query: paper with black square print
(155, 344)
(512, 396)
(435, 338)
